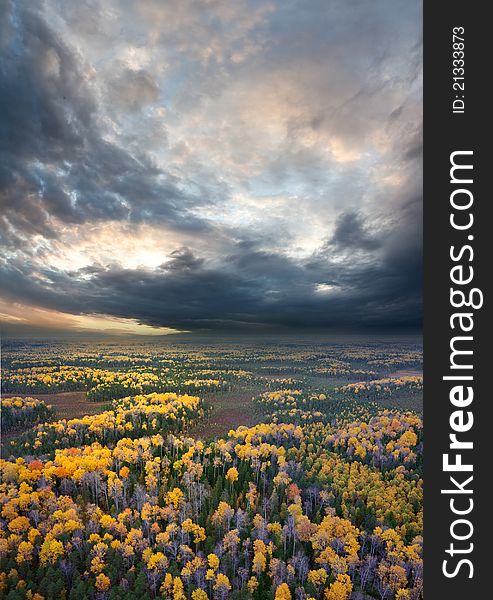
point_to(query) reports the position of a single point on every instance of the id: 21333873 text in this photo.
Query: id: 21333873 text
(458, 72)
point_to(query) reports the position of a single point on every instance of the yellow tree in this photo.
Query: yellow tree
(103, 582)
(232, 475)
(392, 578)
(259, 563)
(24, 553)
(283, 592)
(252, 584)
(51, 550)
(213, 561)
(317, 577)
(178, 591)
(341, 588)
(222, 586)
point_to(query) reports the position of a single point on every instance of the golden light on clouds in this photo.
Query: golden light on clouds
(31, 316)
(139, 246)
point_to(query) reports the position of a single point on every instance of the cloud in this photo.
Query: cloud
(351, 232)
(132, 90)
(213, 165)
(59, 165)
(251, 288)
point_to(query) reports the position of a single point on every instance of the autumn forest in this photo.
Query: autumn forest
(200, 471)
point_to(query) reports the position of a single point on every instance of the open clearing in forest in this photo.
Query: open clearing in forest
(406, 373)
(227, 411)
(67, 405)
(404, 401)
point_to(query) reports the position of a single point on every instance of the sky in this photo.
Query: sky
(211, 165)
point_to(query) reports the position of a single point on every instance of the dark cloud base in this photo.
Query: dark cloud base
(252, 290)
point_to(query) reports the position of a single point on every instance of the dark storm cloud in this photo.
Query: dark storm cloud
(272, 151)
(54, 162)
(251, 288)
(351, 232)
